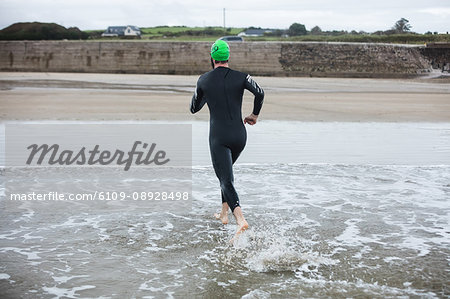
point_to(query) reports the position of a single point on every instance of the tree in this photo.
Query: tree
(402, 26)
(40, 31)
(316, 30)
(297, 29)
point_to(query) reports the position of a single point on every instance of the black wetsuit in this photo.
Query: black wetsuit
(222, 89)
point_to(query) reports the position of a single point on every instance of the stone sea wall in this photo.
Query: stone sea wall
(192, 58)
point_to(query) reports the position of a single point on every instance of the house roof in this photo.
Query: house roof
(122, 28)
(255, 31)
(117, 27)
(135, 28)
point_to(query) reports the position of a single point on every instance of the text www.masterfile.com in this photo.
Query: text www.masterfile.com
(102, 195)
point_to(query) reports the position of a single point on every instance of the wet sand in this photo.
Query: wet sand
(69, 96)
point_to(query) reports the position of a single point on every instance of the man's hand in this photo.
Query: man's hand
(251, 119)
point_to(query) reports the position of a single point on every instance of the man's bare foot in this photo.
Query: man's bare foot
(241, 227)
(242, 224)
(222, 217)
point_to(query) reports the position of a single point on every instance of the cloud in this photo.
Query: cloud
(443, 12)
(369, 16)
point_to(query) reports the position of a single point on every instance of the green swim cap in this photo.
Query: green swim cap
(220, 51)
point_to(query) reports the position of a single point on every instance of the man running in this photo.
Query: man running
(222, 89)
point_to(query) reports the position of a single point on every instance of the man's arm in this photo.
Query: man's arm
(258, 92)
(198, 100)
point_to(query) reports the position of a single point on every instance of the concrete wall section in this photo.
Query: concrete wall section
(352, 60)
(439, 56)
(188, 58)
(103, 57)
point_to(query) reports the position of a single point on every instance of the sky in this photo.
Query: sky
(369, 16)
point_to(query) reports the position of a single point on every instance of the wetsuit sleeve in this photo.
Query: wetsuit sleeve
(258, 92)
(198, 100)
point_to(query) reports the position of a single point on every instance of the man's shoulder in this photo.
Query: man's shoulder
(239, 74)
(203, 77)
(233, 72)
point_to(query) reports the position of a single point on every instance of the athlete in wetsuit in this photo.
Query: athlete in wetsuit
(222, 89)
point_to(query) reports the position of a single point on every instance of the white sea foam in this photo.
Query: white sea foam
(256, 294)
(31, 255)
(4, 276)
(69, 293)
(64, 279)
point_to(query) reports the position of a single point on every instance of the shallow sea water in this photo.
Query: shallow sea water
(335, 210)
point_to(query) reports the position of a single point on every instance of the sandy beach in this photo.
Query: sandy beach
(73, 96)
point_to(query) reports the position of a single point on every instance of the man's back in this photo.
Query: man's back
(223, 89)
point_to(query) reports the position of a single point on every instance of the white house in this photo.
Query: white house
(254, 32)
(129, 30)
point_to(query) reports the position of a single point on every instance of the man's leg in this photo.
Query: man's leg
(223, 166)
